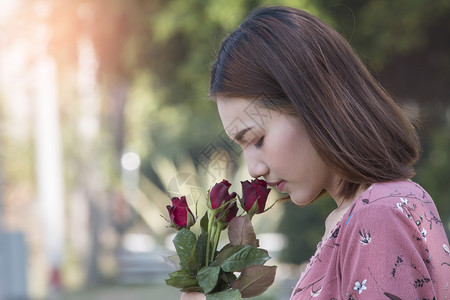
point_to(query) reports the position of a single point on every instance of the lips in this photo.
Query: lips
(273, 183)
(279, 184)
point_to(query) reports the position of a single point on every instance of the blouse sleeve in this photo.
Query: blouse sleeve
(383, 256)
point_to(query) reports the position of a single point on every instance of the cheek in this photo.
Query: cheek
(295, 154)
(293, 143)
(285, 150)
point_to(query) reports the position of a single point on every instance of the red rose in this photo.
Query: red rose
(219, 194)
(255, 193)
(231, 213)
(180, 214)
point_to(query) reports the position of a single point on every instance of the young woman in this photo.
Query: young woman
(311, 119)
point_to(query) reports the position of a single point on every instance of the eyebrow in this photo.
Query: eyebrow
(239, 136)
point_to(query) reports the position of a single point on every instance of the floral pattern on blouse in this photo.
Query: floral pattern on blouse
(391, 244)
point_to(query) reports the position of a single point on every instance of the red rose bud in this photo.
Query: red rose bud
(219, 194)
(180, 214)
(255, 193)
(230, 212)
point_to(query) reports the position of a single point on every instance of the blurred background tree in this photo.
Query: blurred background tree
(151, 62)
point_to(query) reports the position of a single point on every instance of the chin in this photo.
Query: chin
(303, 200)
(298, 201)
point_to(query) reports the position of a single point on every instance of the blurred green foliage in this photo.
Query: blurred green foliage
(433, 171)
(161, 52)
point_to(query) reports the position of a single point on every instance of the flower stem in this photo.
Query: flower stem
(210, 223)
(218, 230)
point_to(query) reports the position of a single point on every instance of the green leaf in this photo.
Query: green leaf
(204, 222)
(247, 256)
(241, 232)
(227, 277)
(226, 246)
(191, 289)
(254, 209)
(207, 278)
(185, 244)
(190, 221)
(229, 295)
(255, 280)
(225, 281)
(181, 279)
(225, 253)
(201, 249)
(241, 202)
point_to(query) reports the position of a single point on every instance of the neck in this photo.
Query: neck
(343, 206)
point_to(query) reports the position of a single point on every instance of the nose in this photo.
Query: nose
(255, 164)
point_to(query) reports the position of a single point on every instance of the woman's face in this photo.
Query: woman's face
(276, 147)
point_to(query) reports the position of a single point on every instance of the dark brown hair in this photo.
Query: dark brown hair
(295, 62)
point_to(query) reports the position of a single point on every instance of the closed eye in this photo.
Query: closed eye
(259, 143)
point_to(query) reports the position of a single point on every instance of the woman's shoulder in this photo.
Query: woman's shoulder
(384, 200)
(392, 189)
(394, 194)
(393, 238)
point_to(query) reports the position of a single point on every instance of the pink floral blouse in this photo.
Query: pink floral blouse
(391, 244)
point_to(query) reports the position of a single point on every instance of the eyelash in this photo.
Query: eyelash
(259, 143)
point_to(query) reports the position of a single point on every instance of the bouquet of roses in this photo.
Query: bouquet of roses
(200, 267)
